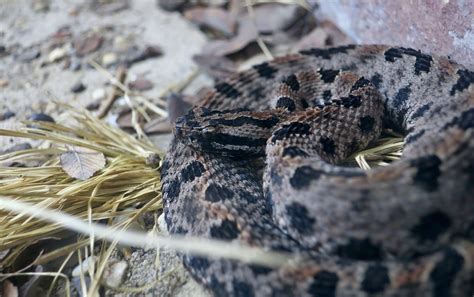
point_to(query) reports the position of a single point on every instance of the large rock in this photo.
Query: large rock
(442, 27)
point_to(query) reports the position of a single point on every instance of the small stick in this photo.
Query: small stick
(120, 75)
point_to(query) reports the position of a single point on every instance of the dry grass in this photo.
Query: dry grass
(125, 187)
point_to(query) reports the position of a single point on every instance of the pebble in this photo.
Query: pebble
(78, 88)
(99, 94)
(3, 50)
(140, 84)
(18, 147)
(29, 55)
(135, 54)
(114, 273)
(41, 117)
(83, 267)
(6, 115)
(93, 105)
(3, 83)
(109, 59)
(57, 54)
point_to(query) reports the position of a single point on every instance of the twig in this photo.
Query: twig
(121, 74)
(260, 42)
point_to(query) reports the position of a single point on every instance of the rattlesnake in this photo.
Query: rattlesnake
(406, 229)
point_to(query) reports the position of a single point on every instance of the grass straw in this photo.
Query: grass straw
(125, 182)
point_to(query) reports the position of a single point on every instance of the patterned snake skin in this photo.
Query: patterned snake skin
(256, 163)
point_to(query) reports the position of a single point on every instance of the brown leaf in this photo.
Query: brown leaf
(213, 18)
(87, 45)
(247, 33)
(157, 126)
(81, 163)
(217, 67)
(9, 289)
(326, 34)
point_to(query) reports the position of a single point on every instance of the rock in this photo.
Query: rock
(438, 27)
(135, 54)
(99, 94)
(18, 147)
(3, 50)
(83, 267)
(78, 88)
(109, 59)
(41, 117)
(40, 5)
(114, 273)
(6, 115)
(87, 45)
(57, 54)
(140, 84)
(93, 105)
(74, 64)
(3, 83)
(29, 55)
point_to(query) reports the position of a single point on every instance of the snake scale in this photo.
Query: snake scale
(256, 162)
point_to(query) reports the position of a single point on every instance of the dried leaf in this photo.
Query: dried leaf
(81, 163)
(217, 67)
(86, 45)
(247, 34)
(214, 18)
(326, 34)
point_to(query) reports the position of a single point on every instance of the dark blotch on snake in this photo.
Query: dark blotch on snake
(227, 230)
(328, 75)
(366, 124)
(465, 79)
(327, 95)
(191, 171)
(173, 189)
(244, 120)
(242, 289)
(420, 111)
(260, 270)
(445, 272)
(303, 176)
(294, 151)
(227, 90)
(464, 121)
(324, 284)
(328, 145)
(327, 53)
(375, 279)
(350, 101)
(215, 193)
(360, 249)
(300, 219)
(431, 226)
(376, 80)
(199, 264)
(401, 97)
(428, 172)
(392, 54)
(286, 102)
(292, 82)
(360, 83)
(294, 128)
(414, 136)
(265, 70)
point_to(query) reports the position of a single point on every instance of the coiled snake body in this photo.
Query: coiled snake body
(406, 229)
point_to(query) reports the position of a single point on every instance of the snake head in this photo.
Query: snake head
(231, 133)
